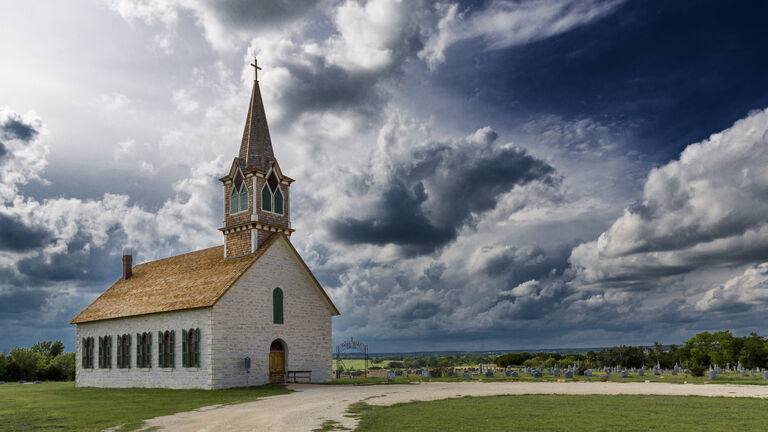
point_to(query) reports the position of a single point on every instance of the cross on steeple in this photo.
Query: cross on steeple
(256, 69)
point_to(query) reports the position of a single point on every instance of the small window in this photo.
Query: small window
(124, 351)
(266, 198)
(143, 350)
(277, 306)
(86, 353)
(278, 201)
(190, 347)
(165, 348)
(243, 198)
(105, 352)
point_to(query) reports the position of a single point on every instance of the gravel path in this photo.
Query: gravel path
(311, 405)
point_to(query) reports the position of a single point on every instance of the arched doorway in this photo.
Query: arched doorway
(277, 362)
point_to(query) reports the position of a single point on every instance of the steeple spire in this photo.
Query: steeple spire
(256, 147)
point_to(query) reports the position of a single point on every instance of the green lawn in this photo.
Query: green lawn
(568, 413)
(62, 407)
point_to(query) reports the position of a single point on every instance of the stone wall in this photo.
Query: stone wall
(243, 325)
(176, 377)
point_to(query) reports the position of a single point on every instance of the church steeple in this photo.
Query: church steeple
(256, 193)
(256, 146)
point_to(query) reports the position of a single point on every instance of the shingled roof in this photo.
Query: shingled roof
(188, 281)
(256, 147)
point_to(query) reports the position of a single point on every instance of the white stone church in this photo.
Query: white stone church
(190, 321)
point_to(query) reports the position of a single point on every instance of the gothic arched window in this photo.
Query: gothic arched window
(277, 306)
(266, 198)
(278, 201)
(238, 197)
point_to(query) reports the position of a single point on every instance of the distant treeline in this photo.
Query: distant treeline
(704, 349)
(45, 361)
(700, 351)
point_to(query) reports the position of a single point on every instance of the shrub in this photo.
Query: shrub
(697, 369)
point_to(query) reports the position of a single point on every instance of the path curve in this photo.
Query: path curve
(311, 405)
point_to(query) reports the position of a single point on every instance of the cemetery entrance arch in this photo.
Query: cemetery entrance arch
(345, 348)
(277, 361)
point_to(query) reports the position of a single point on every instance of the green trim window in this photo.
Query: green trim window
(105, 352)
(124, 351)
(86, 352)
(278, 201)
(266, 199)
(190, 347)
(277, 306)
(165, 349)
(238, 196)
(144, 350)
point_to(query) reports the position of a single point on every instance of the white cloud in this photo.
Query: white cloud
(738, 293)
(504, 23)
(114, 101)
(707, 208)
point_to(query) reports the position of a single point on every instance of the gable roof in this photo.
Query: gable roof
(192, 280)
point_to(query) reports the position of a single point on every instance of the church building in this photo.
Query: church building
(248, 312)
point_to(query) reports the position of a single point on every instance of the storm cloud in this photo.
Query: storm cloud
(437, 191)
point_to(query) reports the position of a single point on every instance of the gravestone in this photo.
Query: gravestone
(425, 373)
(765, 375)
(556, 373)
(38, 382)
(20, 382)
(488, 373)
(479, 368)
(514, 373)
(588, 372)
(390, 376)
(674, 372)
(641, 372)
(741, 372)
(466, 376)
(624, 374)
(2, 382)
(568, 374)
(712, 375)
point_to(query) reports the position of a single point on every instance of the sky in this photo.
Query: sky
(469, 175)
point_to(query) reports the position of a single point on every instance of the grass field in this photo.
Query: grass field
(62, 407)
(568, 413)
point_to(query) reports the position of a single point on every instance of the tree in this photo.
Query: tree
(25, 363)
(753, 351)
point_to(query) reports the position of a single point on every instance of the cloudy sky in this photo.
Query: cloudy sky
(487, 175)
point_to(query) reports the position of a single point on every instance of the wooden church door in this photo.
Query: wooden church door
(276, 362)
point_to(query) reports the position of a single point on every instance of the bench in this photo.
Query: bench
(295, 376)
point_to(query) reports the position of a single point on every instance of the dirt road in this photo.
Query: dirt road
(311, 405)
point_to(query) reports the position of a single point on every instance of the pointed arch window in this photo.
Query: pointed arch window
(238, 197)
(277, 306)
(266, 198)
(271, 195)
(278, 201)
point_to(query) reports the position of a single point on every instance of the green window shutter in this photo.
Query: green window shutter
(243, 198)
(127, 349)
(266, 198)
(160, 340)
(197, 347)
(171, 349)
(138, 350)
(101, 355)
(184, 360)
(90, 354)
(119, 351)
(82, 352)
(148, 349)
(233, 201)
(109, 352)
(278, 201)
(277, 306)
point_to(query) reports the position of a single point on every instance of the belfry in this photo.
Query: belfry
(256, 193)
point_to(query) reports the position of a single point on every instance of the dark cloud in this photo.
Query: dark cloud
(428, 200)
(518, 265)
(247, 14)
(3, 150)
(14, 128)
(22, 301)
(16, 236)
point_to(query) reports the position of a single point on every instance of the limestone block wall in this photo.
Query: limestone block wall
(243, 326)
(176, 377)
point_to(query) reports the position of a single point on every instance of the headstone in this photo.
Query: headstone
(741, 372)
(2, 382)
(398, 373)
(390, 376)
(765, 375)
(568, 374)
(20, 382)
(587, 372)
(488, 373)
(514, 373)
(624, 374)
(674, 372)
(712, 375)
(641, 372)
(466, 376)
(556, 373)
(38, 382)
(480, 368)
(425, 373)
